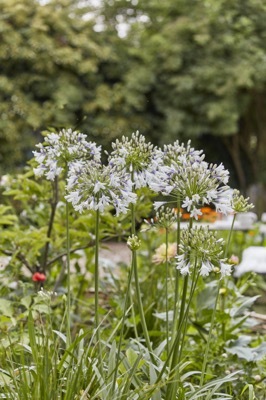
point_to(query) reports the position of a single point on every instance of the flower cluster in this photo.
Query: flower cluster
(164, 218)
(60, 149)
(201, 247)
(92, 186)
(134, 156)
(183, 174)
(239, 203)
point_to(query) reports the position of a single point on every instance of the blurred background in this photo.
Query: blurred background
(172, 69)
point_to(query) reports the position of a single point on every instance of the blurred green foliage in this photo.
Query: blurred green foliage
(173, 70)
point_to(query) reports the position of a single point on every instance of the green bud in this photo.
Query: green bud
(239, 203)
(133, 242)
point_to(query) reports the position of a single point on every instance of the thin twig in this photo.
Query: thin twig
(20, 257)
(86, 246)
(61, 255)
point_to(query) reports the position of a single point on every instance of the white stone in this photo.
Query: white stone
(253, 259)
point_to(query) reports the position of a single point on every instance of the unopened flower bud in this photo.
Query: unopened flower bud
(227, 372)
(222, 291)
(133, 242)
(233, 260)
(239, 203)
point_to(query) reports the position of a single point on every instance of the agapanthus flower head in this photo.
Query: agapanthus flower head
(181, 153)
(165, 217)
(183, 173)
(160, 256)
(60, 149)
(93, 186)
(239, 203)
(134, 155)
(201, 246)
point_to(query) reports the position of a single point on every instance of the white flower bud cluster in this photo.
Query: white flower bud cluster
(135, 156)
(165, 217)
(183, 174)
(239, 203)
(93, 186)
(200, 246)
(133, 242)
(60, 149)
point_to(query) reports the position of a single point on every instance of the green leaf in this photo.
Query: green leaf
(6, 308)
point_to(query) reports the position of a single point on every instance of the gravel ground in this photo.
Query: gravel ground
(116, 253)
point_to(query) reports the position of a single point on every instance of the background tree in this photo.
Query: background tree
(172, 69)
(50, 56)
(199, 70)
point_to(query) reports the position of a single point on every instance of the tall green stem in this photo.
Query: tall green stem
(140, 305)
(96, 287)
(54, 203)
(128, 296)
(166, 290)
(136, 278)
(229, 237)
(133, 232)
(171, 389)
(177, 337)
(177, 273)
(122, 329)
(68, 277)
(193, 287)
(206, 353)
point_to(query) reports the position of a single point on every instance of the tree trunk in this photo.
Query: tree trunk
(233, 146)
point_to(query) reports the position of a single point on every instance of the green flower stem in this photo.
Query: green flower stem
(177, 273)
(137, 286)
(122, 329)
(166, 290)
(54, 203)
(135, 328)
(194, 281)
(177, 338)
(140, 305)
(171, 389)
(127, 298)
(229, 237)
(181, 321)
(68, 305)
(133, 232)
(96, 287)
(206, 353)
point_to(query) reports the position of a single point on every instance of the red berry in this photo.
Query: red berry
(38, 277)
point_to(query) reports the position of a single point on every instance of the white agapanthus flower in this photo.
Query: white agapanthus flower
(134, 156)
(93, 186)
(60, 149)
(201, 247)
(181, 172)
